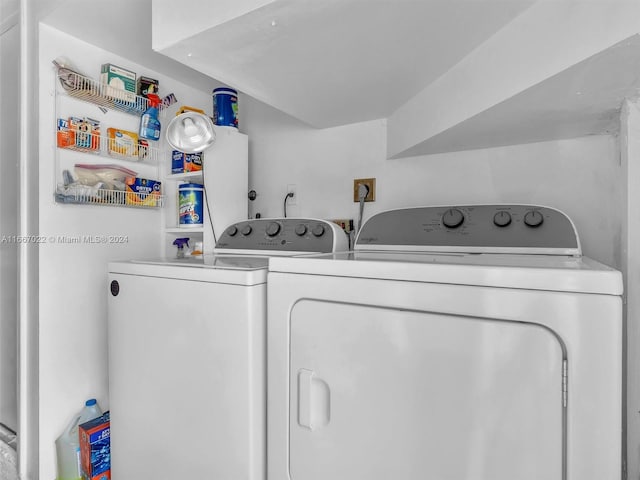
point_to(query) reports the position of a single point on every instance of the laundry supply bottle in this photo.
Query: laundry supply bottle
(180, 243)
(68, 443)
(149, 123)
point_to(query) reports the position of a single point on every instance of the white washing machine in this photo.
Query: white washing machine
(454, 343)
(187, 354)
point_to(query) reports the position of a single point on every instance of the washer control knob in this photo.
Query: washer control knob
(452, 218)
(246, 230)
(301, 229)
(232, 231)
(273, 228)
(318, 230)
(533, 218)
(502, 219)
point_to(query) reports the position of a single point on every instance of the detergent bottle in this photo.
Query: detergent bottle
(68, 443)
(149, 123)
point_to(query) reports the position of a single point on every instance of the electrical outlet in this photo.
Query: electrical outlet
(345, 223)
(291, 188)
(369, 182)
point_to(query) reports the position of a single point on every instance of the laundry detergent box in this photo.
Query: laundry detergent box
(143, 192)
(186, 162)
(95, 448)
(193, 161)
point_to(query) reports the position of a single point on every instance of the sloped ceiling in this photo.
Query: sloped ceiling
(335, 62)
(9, 12)
(581, 100)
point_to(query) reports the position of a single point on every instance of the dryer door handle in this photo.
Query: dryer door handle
(314, 400)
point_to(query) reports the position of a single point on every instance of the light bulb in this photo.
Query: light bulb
(190, 128)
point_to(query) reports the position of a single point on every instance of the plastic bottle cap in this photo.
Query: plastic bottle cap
(181, 242)
(225, 90)
(154, 100)
(90, 402)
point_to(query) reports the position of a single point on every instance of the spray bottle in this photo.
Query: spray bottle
(149, 123)
(180, 243)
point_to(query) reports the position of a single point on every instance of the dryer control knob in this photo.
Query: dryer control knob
(318, 230)
(273, 228)
(452, 218)
(533, 218)
(301, 229)
(232, 231)
(246, 230)
(502, 219)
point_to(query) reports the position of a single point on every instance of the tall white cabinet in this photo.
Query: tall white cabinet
(225, 177)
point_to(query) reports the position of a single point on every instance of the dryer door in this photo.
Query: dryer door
(378, 394)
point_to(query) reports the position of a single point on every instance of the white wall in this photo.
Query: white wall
(581, 177)
(73, 277)
(28, 369)
(9, 109)
(630, 150)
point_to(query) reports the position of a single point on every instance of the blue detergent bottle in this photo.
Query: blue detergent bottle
(149, 123)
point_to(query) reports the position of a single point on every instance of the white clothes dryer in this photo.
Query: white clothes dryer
(454, 343)
(187, 354)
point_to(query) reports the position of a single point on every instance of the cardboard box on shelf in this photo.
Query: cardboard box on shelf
(121, 82)
(143, 192)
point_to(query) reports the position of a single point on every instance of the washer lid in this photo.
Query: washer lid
(232, 269)
(530, 272)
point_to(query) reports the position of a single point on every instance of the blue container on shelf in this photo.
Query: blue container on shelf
(225, 107)
(190, 204)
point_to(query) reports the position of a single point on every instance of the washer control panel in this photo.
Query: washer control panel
(303, 235)
(472, 228)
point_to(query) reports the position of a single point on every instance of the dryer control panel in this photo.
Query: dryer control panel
(527, 229)
(287, 235)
